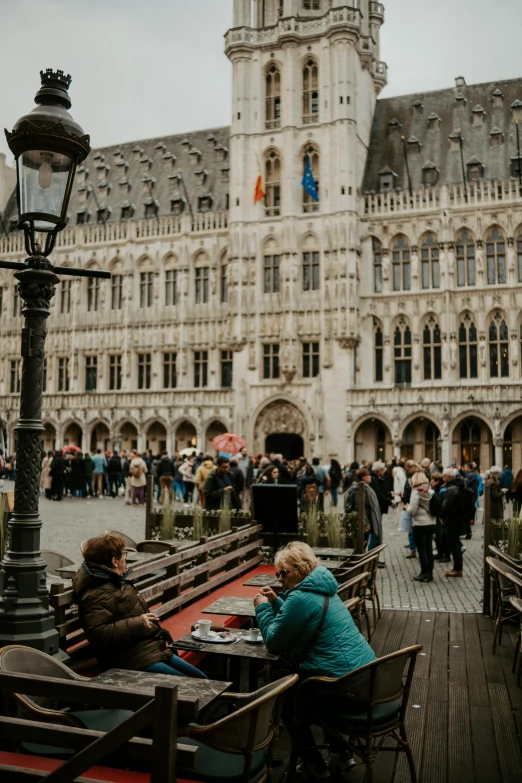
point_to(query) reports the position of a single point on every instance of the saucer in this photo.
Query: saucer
(253, 641)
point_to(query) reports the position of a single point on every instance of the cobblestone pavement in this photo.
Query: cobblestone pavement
(67, 524)
(398, 590)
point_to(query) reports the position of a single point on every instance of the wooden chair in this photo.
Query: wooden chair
(363, 708)
(503, 577)
(17, 659)
(153, 546)
(516, 603)
(250, 731)
(54, 560)
(510, 561)
(370, 560)
(356, 588)
(129, 542)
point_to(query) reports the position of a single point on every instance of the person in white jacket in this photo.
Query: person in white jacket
(423, 524)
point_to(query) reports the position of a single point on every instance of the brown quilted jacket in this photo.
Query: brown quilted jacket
(110, 612)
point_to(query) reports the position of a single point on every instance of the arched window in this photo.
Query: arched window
(431, 442)
(430, 262)
(273, 98)
(380, 450)
(408, 442)
(310, 204)
(468, 363)
(223, 281)
(310, 92)
(496, 257)
(379, 346)
(470, 441)
(498, 347)
(311, 270)
(431, 341)
(272, 184)
(401, 264)
(402, 353)
(507, 446)
(377, 265)
(465, 251)
(519, 257)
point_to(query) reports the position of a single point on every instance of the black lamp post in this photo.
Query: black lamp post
(48, 145)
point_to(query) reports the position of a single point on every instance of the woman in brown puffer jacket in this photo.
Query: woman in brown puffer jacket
(115, 618)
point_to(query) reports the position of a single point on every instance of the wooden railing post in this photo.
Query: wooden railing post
(148, 507)
(360, 518)
(164, 734)
(486, 583)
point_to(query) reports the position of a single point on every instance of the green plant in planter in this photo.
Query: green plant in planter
(334, 529)
(225, 514)
(168, 522)
(197, 523)
(313, 524)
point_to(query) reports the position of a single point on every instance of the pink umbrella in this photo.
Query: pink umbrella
(228, 443)
(71, 449)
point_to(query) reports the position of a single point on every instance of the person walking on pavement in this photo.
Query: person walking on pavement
(138, 472)
(471, 481)
(454, 516)
(89, 471)
(423, 524)
(100, 465)
(323, 481)
(57, 471)
(45, 479)
(113, 474)
(202, 474)
(496, 502)
(165, 474)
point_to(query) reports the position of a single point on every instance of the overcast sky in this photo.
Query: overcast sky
(145, 68)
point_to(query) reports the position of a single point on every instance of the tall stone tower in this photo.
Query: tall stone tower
(306, 74)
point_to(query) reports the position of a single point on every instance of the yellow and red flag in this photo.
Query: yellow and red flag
(259, 192)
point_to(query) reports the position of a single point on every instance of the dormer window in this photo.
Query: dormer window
(413, 146)
(83, 192)
(160, 146)
(122, 164)
(387, 179)
(220, 153)
(418, 109)
(194, 156)
(496, 137)
(455, 139)
(205, 203)
(105, 185)
(177, 205)
(475, 169)
(103, 214)
(148, 184)
(477, 116)
(516, 165)
(169, 160)
(174, 180)
(394, 128)
(102, 170)
(497, 99)
(151, 208)
(117, 152)
(461, 100)
(138, 151)
(124, 184)
(13, 224)
(82, 217)
(185, 142)
(225, 173)
(211, 140)
(201, 176)
(430, 174)
(82, 175)
(97, 156)
(433, 121)
(127, 210)
(516, 110)
(145, 162)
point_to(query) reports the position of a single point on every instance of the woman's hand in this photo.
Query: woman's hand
(150, 620)
(267, 592)
(260, 599)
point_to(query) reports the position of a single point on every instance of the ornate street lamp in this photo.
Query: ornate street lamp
(48, 145)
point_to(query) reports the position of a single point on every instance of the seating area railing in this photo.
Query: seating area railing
(185, 576)
(121, 743)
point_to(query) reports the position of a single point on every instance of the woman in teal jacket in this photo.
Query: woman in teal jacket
(290, 627)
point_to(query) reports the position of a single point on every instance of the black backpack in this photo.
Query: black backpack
(467, 503)
(435, 506)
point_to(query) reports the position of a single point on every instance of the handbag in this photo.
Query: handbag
(405, 522)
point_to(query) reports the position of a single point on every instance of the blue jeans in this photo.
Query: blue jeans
(177, 667)
(179, 490)
(334, 496)
(411, 542)
(373, 541)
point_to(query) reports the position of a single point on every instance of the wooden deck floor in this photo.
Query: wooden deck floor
(465, 711)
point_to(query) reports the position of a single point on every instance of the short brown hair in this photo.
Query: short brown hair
(102, 549)
(360, 474)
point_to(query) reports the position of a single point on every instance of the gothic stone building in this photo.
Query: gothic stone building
(385, 318)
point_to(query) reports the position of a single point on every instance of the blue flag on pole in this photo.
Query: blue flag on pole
(308, 181)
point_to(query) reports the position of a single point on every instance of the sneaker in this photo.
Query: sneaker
(310, 772)
(338, 766)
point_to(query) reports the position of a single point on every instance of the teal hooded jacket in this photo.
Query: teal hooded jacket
(289, 623)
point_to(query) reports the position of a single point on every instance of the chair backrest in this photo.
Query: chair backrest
(505, 576)
(358, 559)
(153, 546)
(129, 542)
(18, 659)
(345, 574)
(377, 682)
(516, 603)
(498, 553)
(353, 587)
(249, 728)
(54, 560)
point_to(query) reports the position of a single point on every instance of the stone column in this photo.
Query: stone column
(445, 451)
(498, 444)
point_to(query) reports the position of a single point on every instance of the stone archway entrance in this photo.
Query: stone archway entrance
(281, 428)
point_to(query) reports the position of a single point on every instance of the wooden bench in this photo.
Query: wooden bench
(122, 743)
(188, 575)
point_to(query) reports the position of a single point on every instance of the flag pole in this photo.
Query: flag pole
(403, 139)
(462, 164)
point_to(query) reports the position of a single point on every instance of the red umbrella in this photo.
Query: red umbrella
(71, 449)
(228, 443)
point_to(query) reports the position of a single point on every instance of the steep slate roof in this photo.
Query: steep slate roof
(454, 112)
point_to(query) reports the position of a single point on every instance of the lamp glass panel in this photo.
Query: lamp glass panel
(42, 177)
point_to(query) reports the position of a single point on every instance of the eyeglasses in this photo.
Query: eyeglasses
(283, 573)
(124, 553)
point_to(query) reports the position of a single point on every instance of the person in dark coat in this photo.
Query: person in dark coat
(89, 470)
(219, 487)
(117, 623)
(238, 480)
(348, 479)
(57, 471)
(285, 477)
(377, 484)
(496, 501)
(165, 474)
(114, 474)
(336, 476)
(515, 493)
(452, 516)
(78, 475)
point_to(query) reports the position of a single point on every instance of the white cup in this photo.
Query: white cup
(204, 627)
(253, 634)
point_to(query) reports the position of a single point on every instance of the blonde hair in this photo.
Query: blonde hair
(299, 555)
(419, 478)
